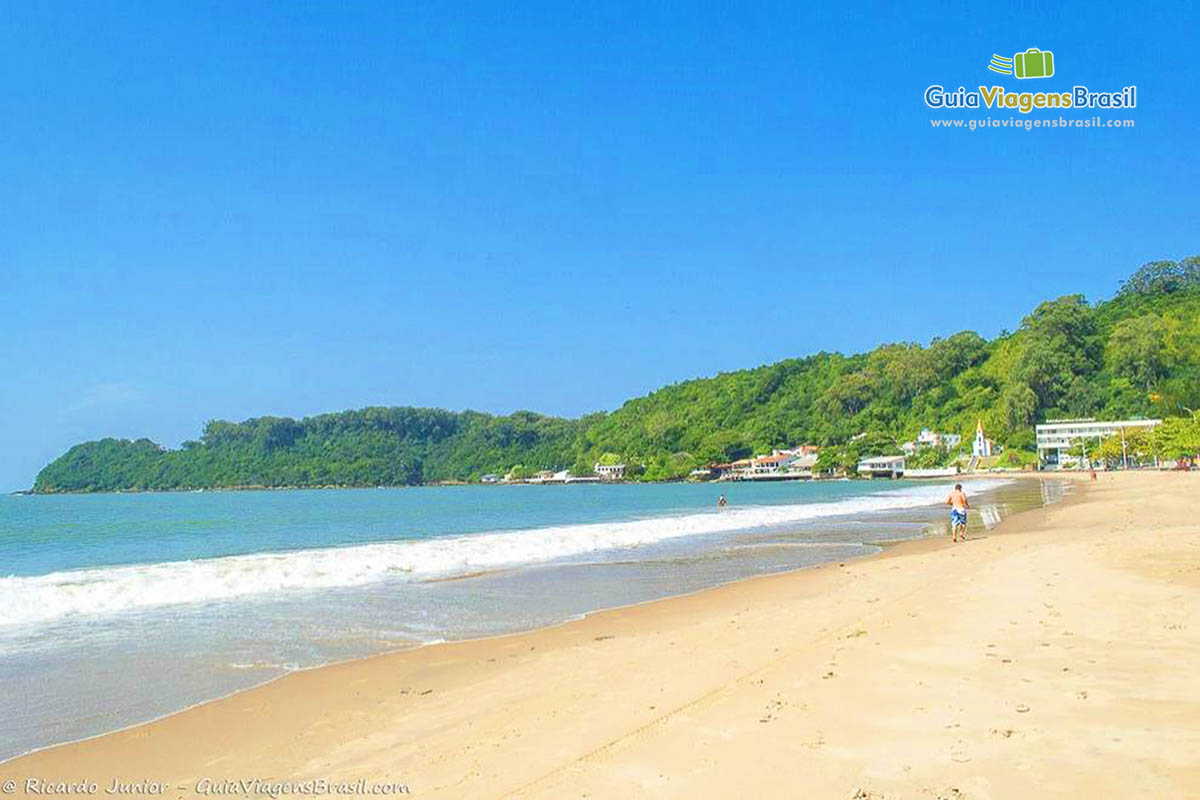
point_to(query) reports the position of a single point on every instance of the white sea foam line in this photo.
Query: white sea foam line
(43, 598)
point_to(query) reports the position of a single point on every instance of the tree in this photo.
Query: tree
(835, 461)
(1164, 277)
(581, 468)
(723, 446)
(1137, 347)
(1136, 447)
(1019, 404)
(1178, 437)
(851, 394)
(929, 457)
(1132, 355)
(1080, 399)
(1084, 450)
(1057, 346)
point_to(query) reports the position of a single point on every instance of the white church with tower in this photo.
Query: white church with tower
(981, 447)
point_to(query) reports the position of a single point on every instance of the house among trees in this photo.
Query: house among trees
(930, 438)
(882, 467)
(610, 472)
(795, 463)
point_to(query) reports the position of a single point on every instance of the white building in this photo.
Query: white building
(1056, 438)
(931, 438)
(935, 439)
(882, 467)
(610, 472)
(779, 465)
(982, 446)
(802, 465)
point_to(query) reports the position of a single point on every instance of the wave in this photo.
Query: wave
(99, 591)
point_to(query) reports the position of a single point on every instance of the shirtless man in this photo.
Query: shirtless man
(957, 500)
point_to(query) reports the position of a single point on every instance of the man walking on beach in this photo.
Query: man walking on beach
(957, 500)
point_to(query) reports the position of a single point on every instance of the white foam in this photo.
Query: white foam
(98, 591)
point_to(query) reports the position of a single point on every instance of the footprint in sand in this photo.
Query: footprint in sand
(770, 710)
(864, 794)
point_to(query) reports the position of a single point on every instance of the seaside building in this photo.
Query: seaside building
(769, 465)
(490, 478)
(779, 465)
(982, 447)
(946, 440)
(802, 464)
(741, 466)
(1058, 437)
(610, 472)
(931, 438)
(562, 476)
(882, 467)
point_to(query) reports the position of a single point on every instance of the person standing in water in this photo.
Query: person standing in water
(721, 501)
(957, 500)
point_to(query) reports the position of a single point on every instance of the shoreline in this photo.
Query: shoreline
(456, 484)
(456, 696)
(887, 549)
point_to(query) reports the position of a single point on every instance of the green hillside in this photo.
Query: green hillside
(1137, 354)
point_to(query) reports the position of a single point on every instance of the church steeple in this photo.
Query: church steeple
(982, 446)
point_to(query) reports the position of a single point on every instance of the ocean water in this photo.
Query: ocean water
(115, 609)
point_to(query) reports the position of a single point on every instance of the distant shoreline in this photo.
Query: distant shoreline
(452, 484)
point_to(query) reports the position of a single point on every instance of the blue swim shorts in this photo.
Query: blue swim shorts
(958, 517)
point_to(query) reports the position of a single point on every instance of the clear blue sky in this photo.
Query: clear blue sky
(235, 209)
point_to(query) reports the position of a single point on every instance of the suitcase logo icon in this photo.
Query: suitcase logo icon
(1033, 63)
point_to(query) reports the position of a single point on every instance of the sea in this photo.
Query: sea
(120, 608)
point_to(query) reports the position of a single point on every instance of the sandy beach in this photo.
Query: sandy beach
(1057, 657)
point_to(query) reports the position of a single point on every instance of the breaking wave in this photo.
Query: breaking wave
(99, 591)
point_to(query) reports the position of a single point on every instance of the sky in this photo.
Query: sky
(227, 210)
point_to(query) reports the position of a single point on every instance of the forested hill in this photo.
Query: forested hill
(1137, 354)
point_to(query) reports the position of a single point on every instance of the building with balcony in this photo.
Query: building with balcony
(1058, 438)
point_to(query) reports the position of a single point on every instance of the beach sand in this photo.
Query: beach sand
(1058, 657)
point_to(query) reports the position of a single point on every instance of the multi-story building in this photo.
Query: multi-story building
(1058, 437)
(610, 472)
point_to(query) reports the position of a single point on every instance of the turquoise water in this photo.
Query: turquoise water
(41, 534)
(119, 608)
